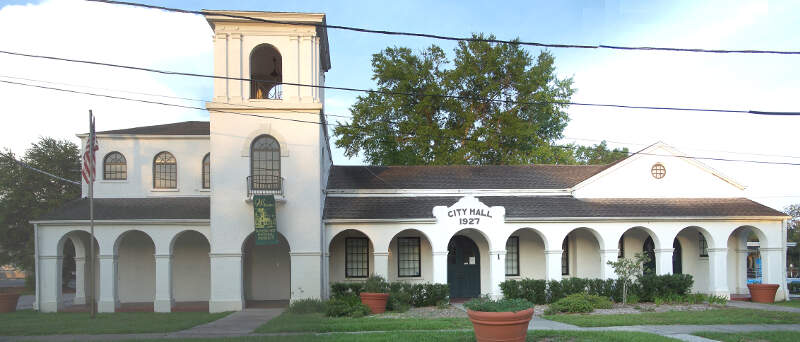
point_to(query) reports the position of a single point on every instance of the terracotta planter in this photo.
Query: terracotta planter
(375, 301)
(762, 293)
(500, 326)
(8, 302)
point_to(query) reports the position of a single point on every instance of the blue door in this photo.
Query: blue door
(463, 268)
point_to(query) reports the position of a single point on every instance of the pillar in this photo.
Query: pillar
(718, 267)
(440, 267)
(227, 293)
(164, 299)
(108, 299)
(772, 271)
(235, 67)
(305, 275)
(381, 267)
(497, 272)
(741, 266)
(50, 287)
(664, 260)
(553, 264)
(607, 255)
(326, 266)
(221, 67)
(80, 281)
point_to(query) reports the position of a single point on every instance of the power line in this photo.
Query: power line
(394, 93)
(451, 38)
(692, 148)
(25, 165)
(354, 126)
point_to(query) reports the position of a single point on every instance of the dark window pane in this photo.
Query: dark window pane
(207, 171)
(356, 257)
(408, 257)
(565, 257)
(165, 171)
(115, 167)
(265, 163)
(512, 256)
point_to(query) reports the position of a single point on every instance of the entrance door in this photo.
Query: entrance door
(463, 268)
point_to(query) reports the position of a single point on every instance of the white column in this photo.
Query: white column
(741, 266)
(440, 267)
(108, 299)
(381, 267)
(80, 281)
(718, 267)
(235, 67)
(552, 264)
(227, 293)
(50, 287)
(221, 67)
(497, 272)
(326, 292)
(305, 275)
(664, 260)
(772, 269)
(607, 255)
(164, 299)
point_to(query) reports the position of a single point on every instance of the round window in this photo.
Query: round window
(658, 171)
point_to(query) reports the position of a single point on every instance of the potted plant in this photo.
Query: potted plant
(499, 320)
(8, 299)
(762, 293)
(375, 294)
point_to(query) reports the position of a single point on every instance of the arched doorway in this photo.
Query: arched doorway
(463, 268)
(649, 249)
(191, 271)
(266, 273)
(136, 271)
(677, 257)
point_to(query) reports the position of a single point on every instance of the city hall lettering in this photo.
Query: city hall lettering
(469, 212)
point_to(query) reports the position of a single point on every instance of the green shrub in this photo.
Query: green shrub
(346, 306)
(554, 291)
(344, 289)
(500, 305)
(572, 304)
(633, 299)
(376, 284)
(574, 285)
(720, 300)
(794, 287)
(304, 306)
(663, 286)
(598, 302)
(532, 290)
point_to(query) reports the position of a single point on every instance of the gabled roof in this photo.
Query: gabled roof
(461, 176)
(544, 207)
(153, 208)
(177, 128)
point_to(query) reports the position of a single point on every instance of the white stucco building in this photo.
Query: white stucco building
(174, 212)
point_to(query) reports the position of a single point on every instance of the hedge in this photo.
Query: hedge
(400, 293)
(647, 288)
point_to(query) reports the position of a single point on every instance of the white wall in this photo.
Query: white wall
(139, 153)
(267, 271)
(136, 269)
(191, 273)
(531, 255)
(584, 255)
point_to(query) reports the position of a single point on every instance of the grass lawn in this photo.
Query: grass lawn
(756, 336)
(34, 323)
(790, 303)
(443, 336)
(718, 316)
(318, 322)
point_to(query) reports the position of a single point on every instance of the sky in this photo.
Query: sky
(182, 42)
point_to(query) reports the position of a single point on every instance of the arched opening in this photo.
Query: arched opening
(690, 256)
(649, 249)
(467, 264)
(745, 261)
(265, 73)
(525, 256)
(351, 257)
(677, 261)
(639, 240)
(410, 257)
(267, 273)
(76, 271)
(191, 271)
(136, 271)
(581, 254)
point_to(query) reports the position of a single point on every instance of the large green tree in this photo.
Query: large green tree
(793, 235)
(25, 194)
(598, 154)
(491, 104)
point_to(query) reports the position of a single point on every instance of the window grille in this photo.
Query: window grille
(408, 257)
(207, 171)
(115, 167)
(265, 163)
(165, 171)
(356, 258)
(565, 257)
(703, 245)
(512, 256)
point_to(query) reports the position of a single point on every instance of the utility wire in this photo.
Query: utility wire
(691, 148)
(354, 126)
(25, 165)
(394, 93)
(451, 38)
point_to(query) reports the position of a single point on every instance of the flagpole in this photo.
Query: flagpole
(91, 219)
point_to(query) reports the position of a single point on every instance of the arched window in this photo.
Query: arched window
(265, 164)
(565, 256)
(165, 171)
(265, 73)
(115, 167)
(207, 171)
(649, 249)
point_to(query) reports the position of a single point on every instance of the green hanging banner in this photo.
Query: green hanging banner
(266, 225)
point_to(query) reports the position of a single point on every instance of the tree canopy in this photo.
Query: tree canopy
(25, 194)
(490, 104)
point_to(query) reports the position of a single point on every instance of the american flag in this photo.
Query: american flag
(88, 170)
